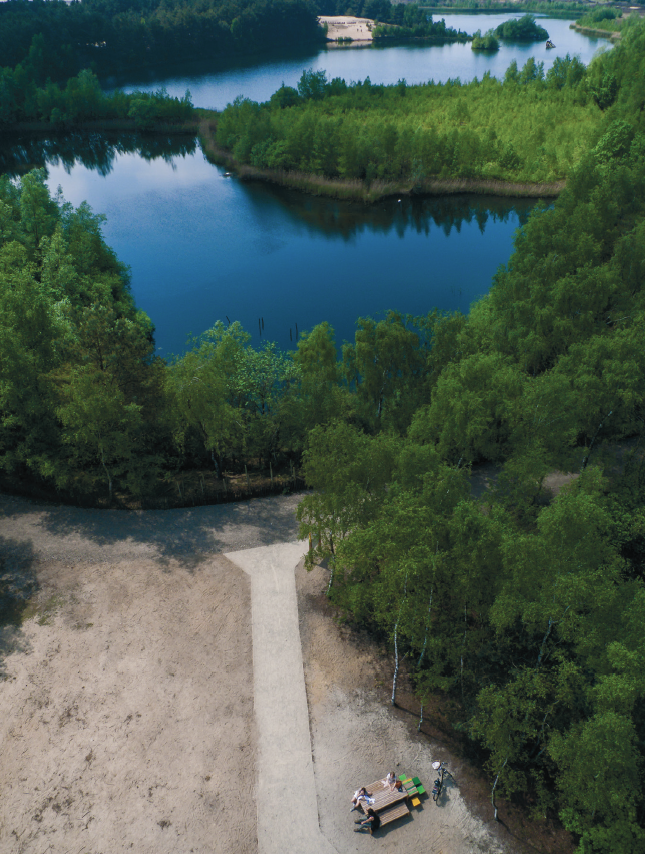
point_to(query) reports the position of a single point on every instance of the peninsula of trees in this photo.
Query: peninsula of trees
(411, 21)
(529, 129)
(81, 102)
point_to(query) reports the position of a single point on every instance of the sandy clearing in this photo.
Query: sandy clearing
(356, 740)
(127, 715)
(347, 27)
(57, 532)
(128, 702)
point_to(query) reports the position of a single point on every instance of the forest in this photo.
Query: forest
(384, 11)
(110, 35)
(526, 608)
(81, 100)
(552, 8)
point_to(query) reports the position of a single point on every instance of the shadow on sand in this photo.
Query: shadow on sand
(18, 585)
(190, 534)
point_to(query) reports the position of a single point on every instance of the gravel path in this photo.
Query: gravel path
(284, 756)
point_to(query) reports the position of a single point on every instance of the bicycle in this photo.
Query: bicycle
(442, 771)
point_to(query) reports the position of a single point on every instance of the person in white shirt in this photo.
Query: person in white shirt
(361, 795)
(390, 780)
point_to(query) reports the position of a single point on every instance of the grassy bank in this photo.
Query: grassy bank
(612, 35)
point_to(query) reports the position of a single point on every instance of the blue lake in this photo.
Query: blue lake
(203, 247)
(214, 85)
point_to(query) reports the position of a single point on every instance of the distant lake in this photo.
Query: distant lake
(214, 85)
(203, 247)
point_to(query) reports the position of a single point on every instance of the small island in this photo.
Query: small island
(487, 42)
(524, 29)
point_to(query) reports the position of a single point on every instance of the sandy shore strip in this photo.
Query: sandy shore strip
(347, 27)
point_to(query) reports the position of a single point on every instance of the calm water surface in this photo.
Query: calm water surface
(214, 86)
(203, 247)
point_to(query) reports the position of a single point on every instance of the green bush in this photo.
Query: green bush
(523, 29)
(486, 42)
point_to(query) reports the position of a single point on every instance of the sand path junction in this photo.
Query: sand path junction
(173, 687)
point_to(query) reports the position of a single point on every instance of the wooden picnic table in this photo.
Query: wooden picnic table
(389, 805)
(383, 796)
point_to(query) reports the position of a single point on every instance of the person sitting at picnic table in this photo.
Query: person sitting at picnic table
(361, 795)
(370, 823)
(394, 784)
(390, 780)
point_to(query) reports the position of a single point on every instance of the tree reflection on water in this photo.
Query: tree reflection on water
(97, 151)
(396, 214)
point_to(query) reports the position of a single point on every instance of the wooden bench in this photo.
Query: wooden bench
(393, 812)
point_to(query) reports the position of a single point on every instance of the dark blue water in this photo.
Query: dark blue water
(215, 85)
(203, 247)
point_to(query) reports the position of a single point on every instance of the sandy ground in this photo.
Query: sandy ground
(127, 707)
(356, 740)
(347, 27)
(129, 701)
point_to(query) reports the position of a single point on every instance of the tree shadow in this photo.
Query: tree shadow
(18, 585)
(192, 534)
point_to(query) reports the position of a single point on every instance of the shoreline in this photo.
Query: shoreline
(106, 125)
(593, 31)
(358, 190)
